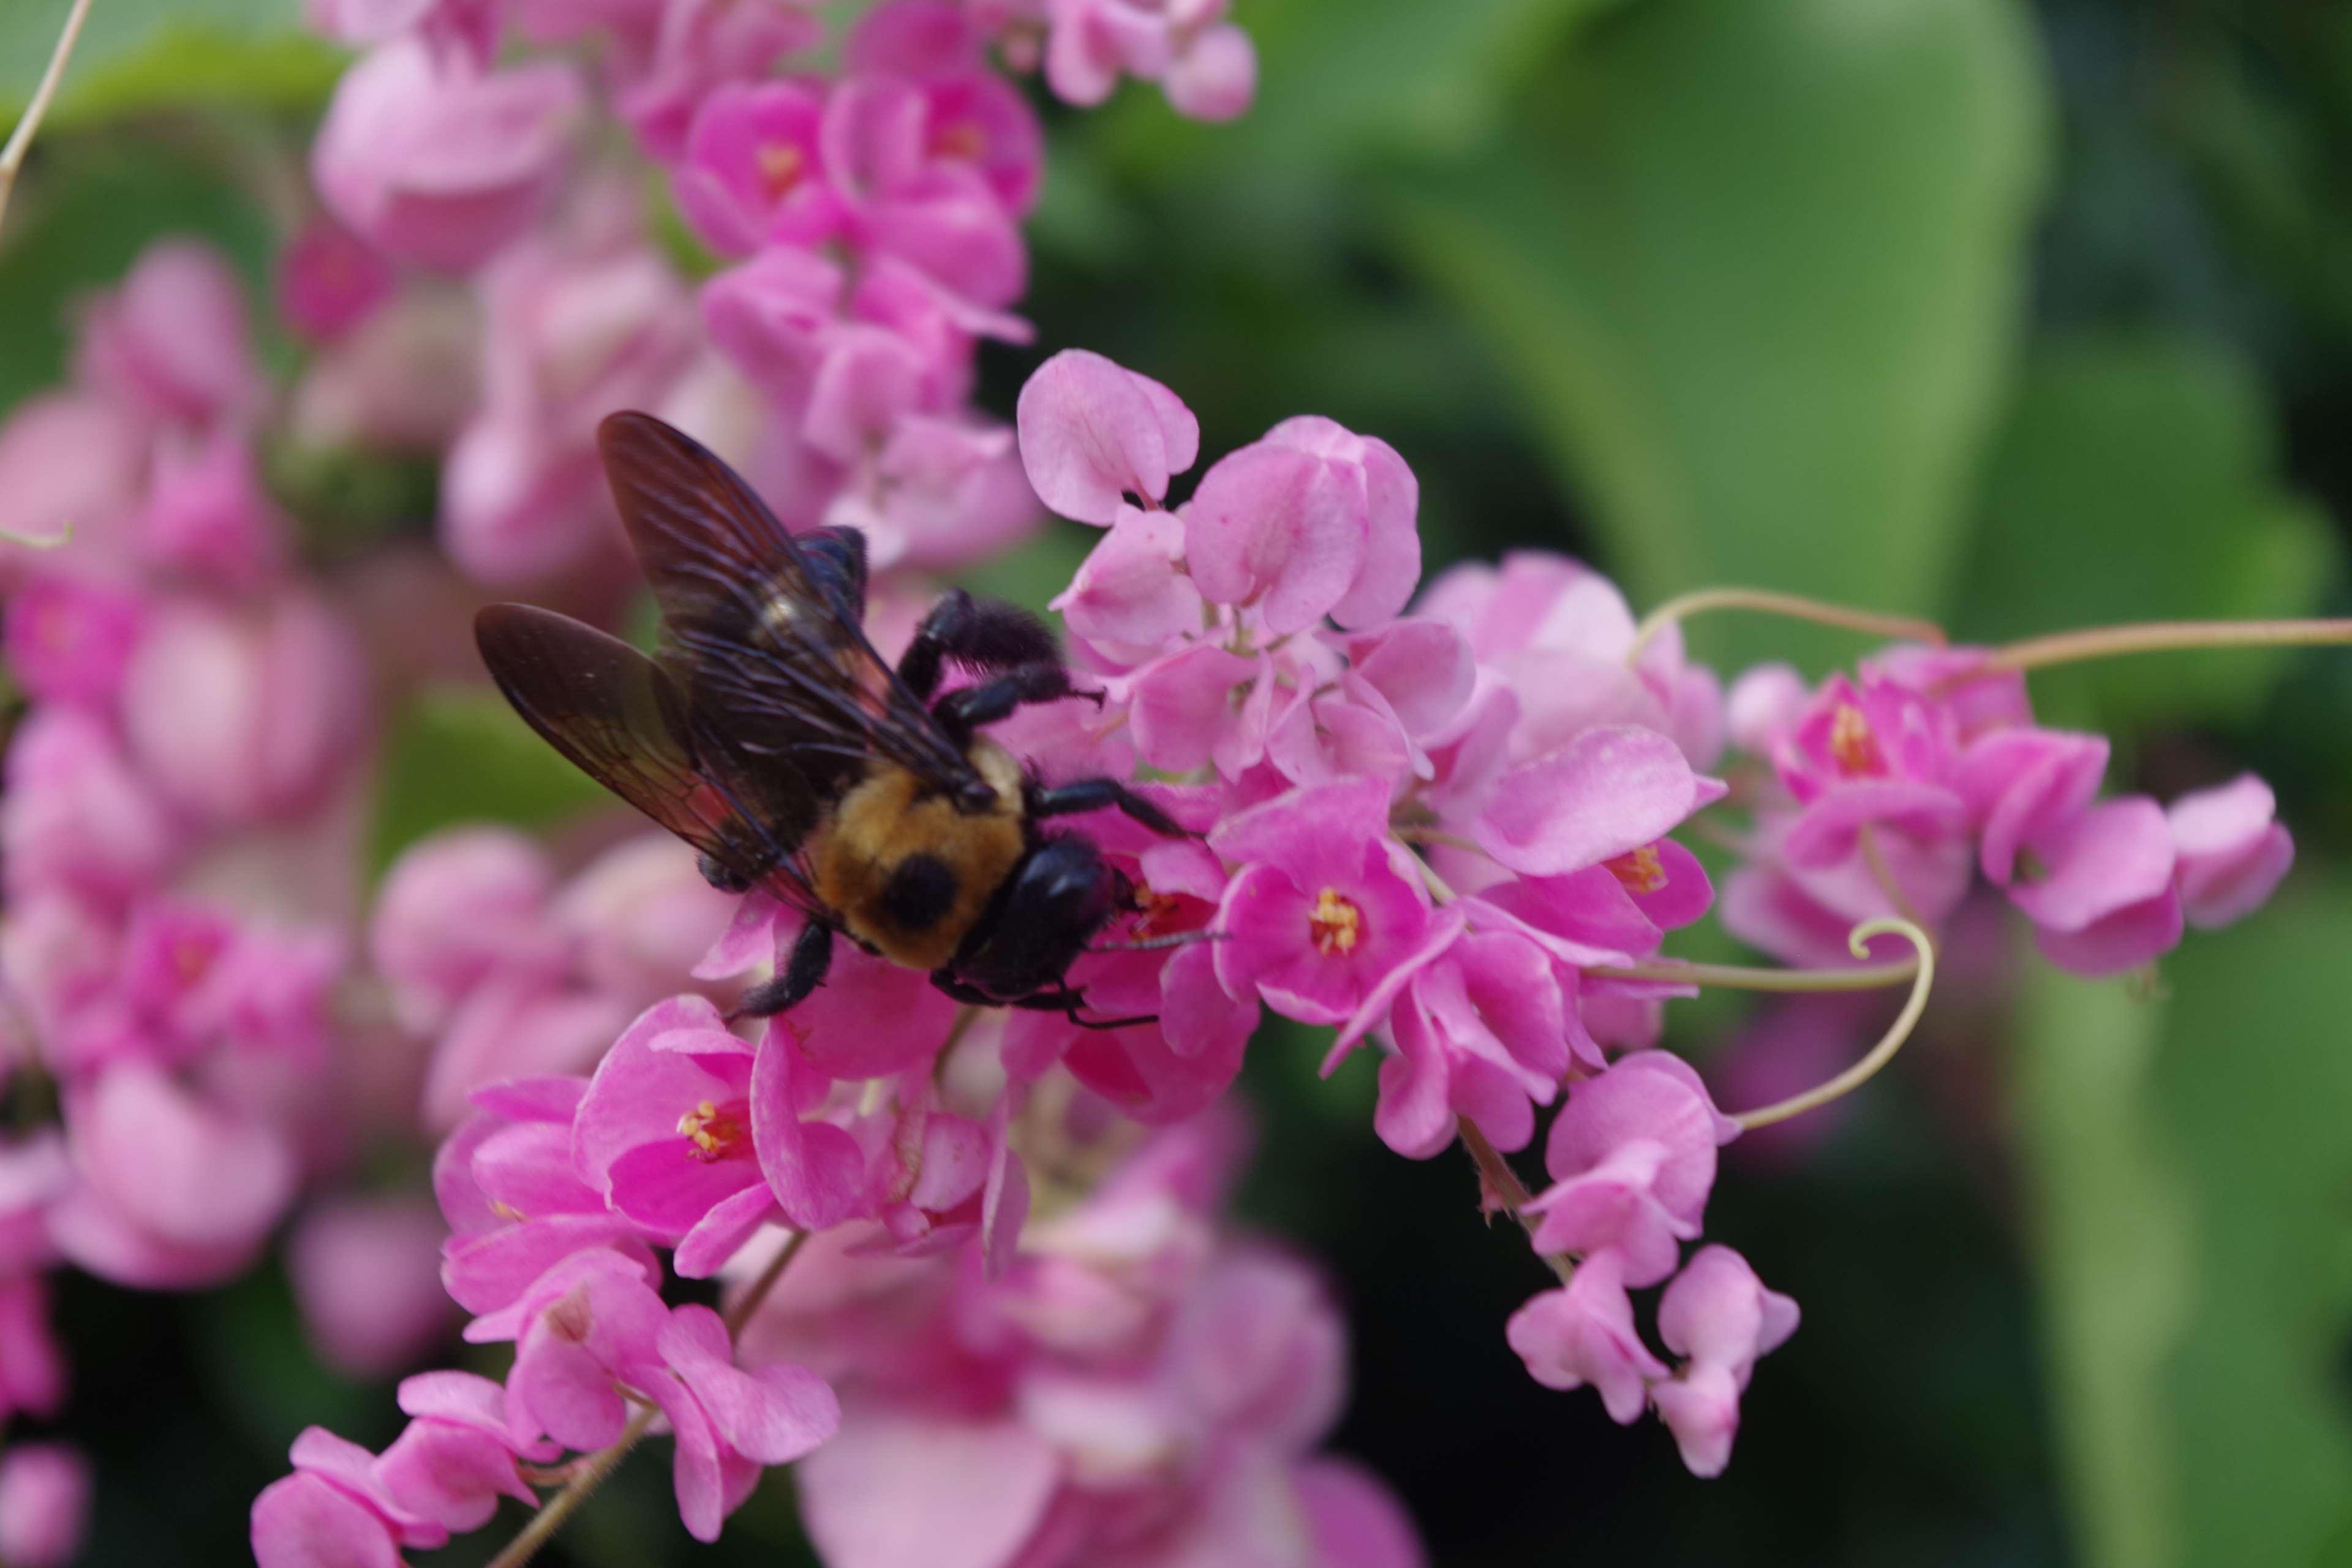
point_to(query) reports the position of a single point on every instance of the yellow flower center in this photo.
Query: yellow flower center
(1335, 923)
(713, 1133)
(964, 139)
(1851, 745)
(782, 166)
(1639, 870)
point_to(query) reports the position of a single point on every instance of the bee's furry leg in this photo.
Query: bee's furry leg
(1093, 794)
(980, 632)
(803, 972)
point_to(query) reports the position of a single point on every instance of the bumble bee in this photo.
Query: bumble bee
(769, 735)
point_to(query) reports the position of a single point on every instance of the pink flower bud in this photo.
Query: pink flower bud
(175, 338)
(2230, 852)
(1584, 1333)
(43, 1504)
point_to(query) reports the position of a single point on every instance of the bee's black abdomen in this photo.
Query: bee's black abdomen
(921, 892)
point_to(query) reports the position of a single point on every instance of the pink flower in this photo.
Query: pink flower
(664, 1134)
(72, 465)
(175, 1189)
(329, 280)
(1608, 792)
(1584, 1333)
(456, 1456)
(456, 910)
(68, 638)
(696, 48)
(2229, 853)
(1720, 1316)
(174, 339)
(366, 1274)
(1093, 433)
(243, 717)
(575, 330)
(43, 1504)
(1130, 597)
(335, 1511)
(76, 815)
(1326, 904)
(209, 518)
(437, 162)
(1632, 1155)
(753, 173)
(1312, 520)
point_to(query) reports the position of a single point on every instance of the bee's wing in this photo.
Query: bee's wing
(763, 629)
(618, 718)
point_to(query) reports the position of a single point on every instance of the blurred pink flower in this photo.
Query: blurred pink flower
(43, 1504)
(174, 339)
(366, 1274)
(328, 279)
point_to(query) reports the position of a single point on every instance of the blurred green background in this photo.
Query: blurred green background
(2020, 315)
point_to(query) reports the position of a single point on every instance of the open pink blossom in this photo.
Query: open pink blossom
(1584, 1333)
(208, 518)
(664, 1134)
(458, 1455)
(1326, 904)
(440, 163)
(2229, 852)
(1093, 433)
(68, 638)
(754, 174)
(335, 1511)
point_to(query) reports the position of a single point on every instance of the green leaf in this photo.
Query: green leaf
(95, 208)
(2253, 1080)
(137, 56)
(462, 755)
(2110, 1229)
(2137, 478)
(1752, 265)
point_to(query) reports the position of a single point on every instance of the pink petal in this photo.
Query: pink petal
(1607, 791)
(816, 1170)
(1092, 432)
(986, 1488)
(2113, 856)
(1275, 528)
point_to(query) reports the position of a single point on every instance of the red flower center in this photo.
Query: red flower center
(782, 165)
(1639, 870)
(1851, 745)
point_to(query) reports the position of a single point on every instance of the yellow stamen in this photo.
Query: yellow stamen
(1334, 924)
(1851, 745)
(712, 1134)
(1639, 870)
(782, 165)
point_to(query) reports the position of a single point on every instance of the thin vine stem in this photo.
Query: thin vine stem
(20, 141)
(1795, 606)
(2160, 636)
(1505, 1184)
(1746, 977)
(599, 1467)
(1882, 1053)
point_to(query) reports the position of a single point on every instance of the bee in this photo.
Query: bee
(768, 733)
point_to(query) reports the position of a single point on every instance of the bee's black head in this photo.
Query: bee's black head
(1058, 896)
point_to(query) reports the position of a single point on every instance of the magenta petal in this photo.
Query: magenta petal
(304, 1521)
(2124, 939)
(664, 1188)
(865, 1020)
(1356, 1519)
(1092, 432)
(2111, 857)
(721, 1234)
(1584, 1332)
(1180, 705)
(2231, 855)
(1608, 791)
(986, 1488)
(1824, 832)
(816, 1170)
(1275, 528)
(773, 1416)
(2023, 784)
(1415, 1115)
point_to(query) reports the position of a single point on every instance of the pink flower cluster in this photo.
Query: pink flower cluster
(1891, 791)
(872, 215)
(1141, 1389)
(178, 826)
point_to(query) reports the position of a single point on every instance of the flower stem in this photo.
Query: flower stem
(1882, 1053)
(1793, 605)
(1505, 1184)
(1745, 977)
(594, 1472)
(2159, 637)
(20, 141)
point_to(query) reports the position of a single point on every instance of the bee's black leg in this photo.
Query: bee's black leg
(1093, 794)
(1061, 999)
(722, 875)
(802, 972)
(962, 711)
(978, 632)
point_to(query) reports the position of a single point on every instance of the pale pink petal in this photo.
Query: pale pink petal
(1605, 792)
